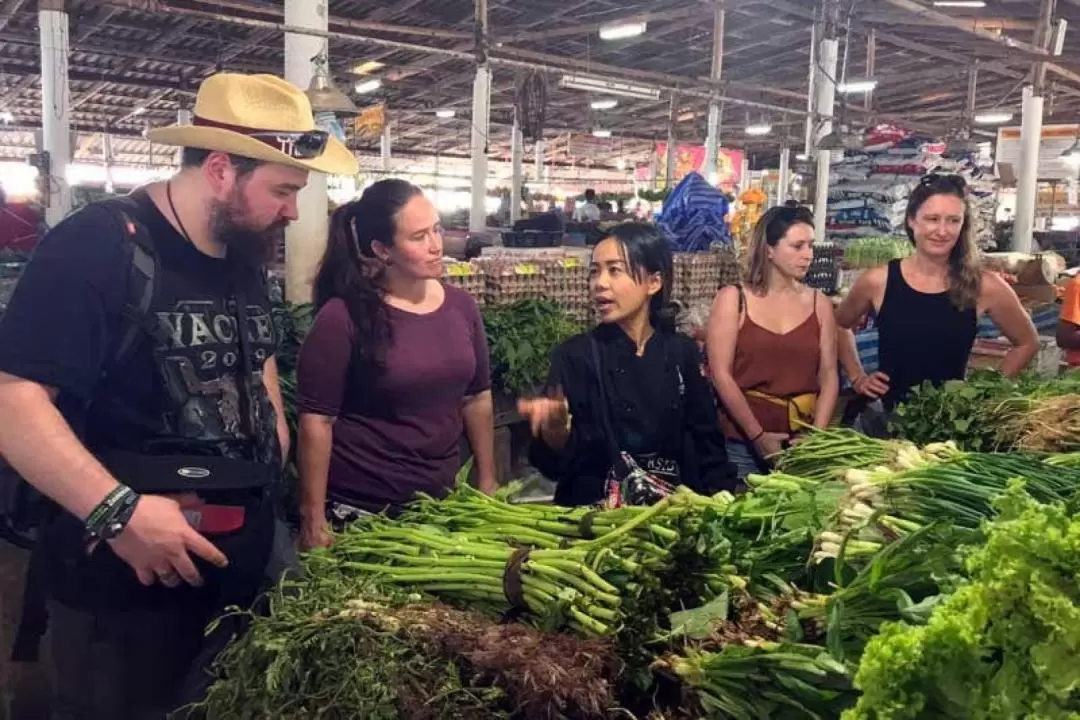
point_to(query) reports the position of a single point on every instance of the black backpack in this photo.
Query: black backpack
(22, 508)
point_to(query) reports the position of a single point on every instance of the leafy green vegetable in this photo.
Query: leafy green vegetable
(521, 338)
(1004, 645)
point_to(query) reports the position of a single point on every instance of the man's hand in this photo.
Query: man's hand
(157, 541)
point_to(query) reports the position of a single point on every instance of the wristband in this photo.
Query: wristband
(758, 437)
(112, 514)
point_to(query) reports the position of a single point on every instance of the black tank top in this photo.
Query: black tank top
(922, 336)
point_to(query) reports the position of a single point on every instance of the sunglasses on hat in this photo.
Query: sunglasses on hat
(299, 145)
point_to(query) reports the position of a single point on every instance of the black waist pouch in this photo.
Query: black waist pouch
(102, 580)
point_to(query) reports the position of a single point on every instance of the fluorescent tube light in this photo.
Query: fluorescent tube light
(604, 104)
(609, 87)
(759, 129)
(854, 87)
(601, 133)
(960, 3)
(445, 114)
(367, 86)
(993, 118)
(623, 31)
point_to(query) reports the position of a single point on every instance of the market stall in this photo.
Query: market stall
(861, 574)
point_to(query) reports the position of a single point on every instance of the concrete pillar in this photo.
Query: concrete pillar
(481, 117)
(784, 180)
(672, 143)
(517, 170)
(1027, 180)
(385, 148)
(481, 121)
(55, 106)
(107, 158)
(825, 106)
(541, 149)
(712, 138)
(305, 239)
(811, 93)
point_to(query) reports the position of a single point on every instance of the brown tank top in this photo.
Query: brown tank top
(783, 366)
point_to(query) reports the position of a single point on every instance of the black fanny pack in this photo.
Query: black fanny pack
(173, 474)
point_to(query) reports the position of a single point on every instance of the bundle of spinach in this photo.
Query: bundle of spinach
(985, 412)
(521, 338)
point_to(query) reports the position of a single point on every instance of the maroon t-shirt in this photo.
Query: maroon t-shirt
(398, 432)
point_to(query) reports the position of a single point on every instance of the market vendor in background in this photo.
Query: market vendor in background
(651, 400)
(1068, 329)
(772, 345)
(395, 366)
(928, 305)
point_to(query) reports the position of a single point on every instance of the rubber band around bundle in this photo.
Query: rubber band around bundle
(513, 587)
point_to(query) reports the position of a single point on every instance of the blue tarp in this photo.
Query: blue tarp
(693, 216)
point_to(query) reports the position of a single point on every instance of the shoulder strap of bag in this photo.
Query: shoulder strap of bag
(142, 276)
(246, 374)
(605, 409)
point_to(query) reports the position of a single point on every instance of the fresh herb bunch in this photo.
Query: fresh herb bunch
(990, 412)
(521, 338)
(338, 647)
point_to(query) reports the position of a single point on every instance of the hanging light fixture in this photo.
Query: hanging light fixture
(323, 94)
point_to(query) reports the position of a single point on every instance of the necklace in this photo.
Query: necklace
(172, 207)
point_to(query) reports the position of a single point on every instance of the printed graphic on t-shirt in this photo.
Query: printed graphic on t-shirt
(201, 366)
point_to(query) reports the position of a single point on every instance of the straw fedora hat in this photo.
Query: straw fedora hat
(261, 117)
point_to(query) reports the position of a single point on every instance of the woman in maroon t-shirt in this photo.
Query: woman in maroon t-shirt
(395, 366)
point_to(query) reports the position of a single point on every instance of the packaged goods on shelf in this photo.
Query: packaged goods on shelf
(870, 252)
(507, 282)
(824, 273)
(698, 276)
(870, 186)
(467, 276)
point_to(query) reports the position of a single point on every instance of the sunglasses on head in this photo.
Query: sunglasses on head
(941, 180)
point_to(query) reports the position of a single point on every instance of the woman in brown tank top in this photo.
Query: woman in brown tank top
(772, 346)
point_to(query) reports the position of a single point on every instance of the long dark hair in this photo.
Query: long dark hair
(647, 252)
(769, 230)
(349, 269)
(965, 271)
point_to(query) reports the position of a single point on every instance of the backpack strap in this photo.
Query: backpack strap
(142, 274)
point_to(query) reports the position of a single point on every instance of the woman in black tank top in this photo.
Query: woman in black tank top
(928, 305)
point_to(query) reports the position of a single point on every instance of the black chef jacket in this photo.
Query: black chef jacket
(660, 403)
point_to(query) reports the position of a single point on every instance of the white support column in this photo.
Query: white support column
(784, 180)
(517, 170)
(107, 158)
(541, 149)
(825, 106)
(55, 106)
(811, 95)
(1027, 181)
(481, 117)
(712, 138)
(305, 239)
(672, 143)
(481, 121)
(184, 116)
(386, 149)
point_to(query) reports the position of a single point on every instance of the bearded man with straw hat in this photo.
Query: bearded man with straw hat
(139, 397)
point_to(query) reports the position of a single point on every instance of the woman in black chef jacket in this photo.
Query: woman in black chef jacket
(631, 385)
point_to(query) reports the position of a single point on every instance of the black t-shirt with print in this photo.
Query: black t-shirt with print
(65, 321)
